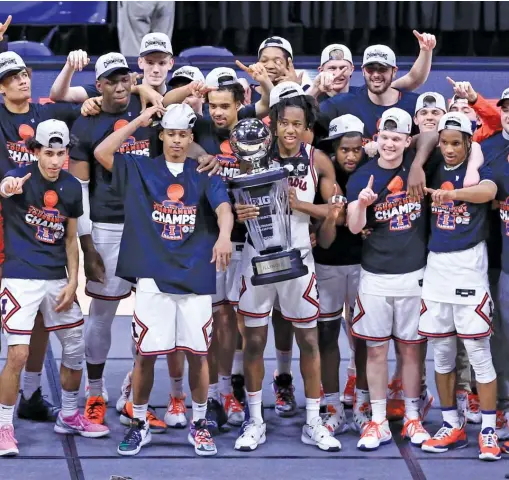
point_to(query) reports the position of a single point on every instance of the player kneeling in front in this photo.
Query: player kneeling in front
(41, 206)
(170, 234)
(456, 300)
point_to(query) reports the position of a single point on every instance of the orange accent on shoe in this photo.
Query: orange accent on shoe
(349, 390)
(231, 404)
(411, 427)
(474, 405)
(177, 405)
(488, 445)
(95, 410)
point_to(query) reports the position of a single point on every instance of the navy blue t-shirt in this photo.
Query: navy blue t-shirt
(105, 205)
(170, 224)
(35, 223)
(496, 155)
(398, 242)
(359, 104)
(456, 225)
(18, 127)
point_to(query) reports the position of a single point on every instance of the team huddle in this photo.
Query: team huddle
(399, 213)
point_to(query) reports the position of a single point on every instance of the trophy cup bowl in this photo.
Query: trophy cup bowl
(267, 188)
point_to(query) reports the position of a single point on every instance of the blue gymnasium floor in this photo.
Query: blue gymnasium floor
(46, 455)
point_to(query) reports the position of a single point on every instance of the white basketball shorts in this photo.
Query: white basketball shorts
(228, 282)
(164, 323)
(20, 301)
(106, 238)
(337, 285)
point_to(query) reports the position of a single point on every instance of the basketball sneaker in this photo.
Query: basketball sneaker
(233, 410)
(395, 401)
(216, 416)
(175, 416)
(8, 444)
(238, 388)
(474, 409)
(286, 405)
(335, 421)
(447, 438)
(502, 429)
(361, 416)
(136, 437)
(156, 425)
(125, 391)
(253, 434)
(104, 390)
(425, 403)
(374, 435)
(78, 424)
(37, 408)
(201, 439)
(95, 410)
(488, 445)
(317, 434)
(415, 432)
(349, 392)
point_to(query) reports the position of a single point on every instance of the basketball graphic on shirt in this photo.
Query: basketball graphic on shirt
(175, 192)
(395, 185)
(447, 186)
(446, 219)
(129, 140)
(50, 229)
(120, 124)
(25, 132)
(50, 198)
(397, 199)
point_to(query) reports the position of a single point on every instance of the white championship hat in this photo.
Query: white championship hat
(503, 97)
(50, 130)
(327, 51)
(455, 121)
(109, 63)
(155, 42)
(279, 42)
(379, 54)
(10, 62)
(178, 116)
(402, 119)
(187, 72)
(284, 90)
(430, 99)
(221, 76)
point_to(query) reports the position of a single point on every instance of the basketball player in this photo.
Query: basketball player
(19, 118)
(455, 299)
(170, 235)
(388, 302)
(42, 204)
(292, 113)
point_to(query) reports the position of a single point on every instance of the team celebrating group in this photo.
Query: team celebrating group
(414, 251)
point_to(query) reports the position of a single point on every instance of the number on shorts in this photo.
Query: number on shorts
(4, 304)
(135, 334)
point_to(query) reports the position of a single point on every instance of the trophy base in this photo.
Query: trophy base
(278, 267)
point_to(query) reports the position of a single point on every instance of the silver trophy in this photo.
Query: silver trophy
(266, 186)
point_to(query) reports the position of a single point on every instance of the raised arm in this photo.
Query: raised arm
(61, 90)
(356, 213)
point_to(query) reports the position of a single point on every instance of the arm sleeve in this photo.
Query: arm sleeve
(84, 222)
(352, 187)
(91, 90)
(486, 173)
(77, 207)
(490, 117)
(216, 192)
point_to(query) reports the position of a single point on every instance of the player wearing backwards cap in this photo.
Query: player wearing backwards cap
(170, 234)
(388, 303)
(496, 151)
(369, 103)
(455, 297)
(19, 118)
(100, 227)
(336, 69)
(42, 204)
(337, 261)
(292, 113)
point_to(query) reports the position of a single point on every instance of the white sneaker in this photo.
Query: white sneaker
(425, 403)
(319, 435)
(233, 409)
(125, 391)
(415, 432)
(502, 429)
(104, 392)
(361, 417)
(374, 435)
(175, 416)
(335, 421)
(252, 435)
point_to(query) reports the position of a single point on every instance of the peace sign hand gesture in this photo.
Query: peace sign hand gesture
(4, 26)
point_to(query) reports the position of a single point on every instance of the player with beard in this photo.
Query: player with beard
(456, 300)
(291, 114)
(336, 69)
(19, 118)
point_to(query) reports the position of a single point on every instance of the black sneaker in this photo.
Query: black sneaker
(238, 388)
(136, 437)
(286, 405)
(37, 408)
(216, 416)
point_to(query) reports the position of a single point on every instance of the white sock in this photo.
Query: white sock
(238, 363)
(450, 415)
(213, 391)
(412, 408)
(199, 410)
(69, 403)
(31, 382)
(177, 387)
(254, 400)
(95, 387)
(140, 412)
(6, 414)
(379, 409)
(489, 419)
(284, 362)
(312, 409)
(225, 385)
(361, 397)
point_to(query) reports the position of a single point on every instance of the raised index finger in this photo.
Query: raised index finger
(25, 178)
(7, 23)
(370, 183)
(451, 81)
(243, 67)
(417, 34)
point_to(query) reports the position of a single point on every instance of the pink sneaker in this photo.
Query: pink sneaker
(79, 425)
(8, 444)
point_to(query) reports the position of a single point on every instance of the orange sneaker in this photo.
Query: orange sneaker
(474, 409)
(395, 402)
(156, 425)
(95, 410)
(446, 438)
(349, 391)
(488, 445)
